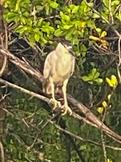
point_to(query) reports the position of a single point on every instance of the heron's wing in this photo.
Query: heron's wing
(47, 67)
(49, 64)
(73, 65)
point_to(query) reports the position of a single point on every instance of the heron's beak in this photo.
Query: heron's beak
(69, 48)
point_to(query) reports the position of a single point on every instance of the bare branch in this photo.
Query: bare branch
(22, 65)
(103, 147)
(24, 90)
(3, 66)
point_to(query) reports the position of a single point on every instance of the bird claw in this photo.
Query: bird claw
(55, 103)
(66, 109)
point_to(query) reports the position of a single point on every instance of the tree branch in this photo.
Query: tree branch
(89, 117)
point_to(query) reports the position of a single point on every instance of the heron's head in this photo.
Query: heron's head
(67, 46)
(64, 48)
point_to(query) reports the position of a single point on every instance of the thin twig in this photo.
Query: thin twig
(104, 147)
(3, 66)
(24, 90)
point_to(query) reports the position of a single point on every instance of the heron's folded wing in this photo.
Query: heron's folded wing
(47, 67)
(73, 65)
(49, 64)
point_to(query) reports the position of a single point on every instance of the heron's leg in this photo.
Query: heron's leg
(65, 106)
(53, 100)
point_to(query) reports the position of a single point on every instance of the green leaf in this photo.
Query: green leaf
(106, 3)
(17, 7)
(90, 23)
(23, 20)
(10, 16)
(67, 26)
(36, 37)
(96, 16)
(74, 8)
(64, 17)
(109, 160)
(85, 78)
(113, 82)
(118, 16)
(58, 32)
(104, 104)
(98, 30)
(83, 50)
(100, 109)
(115, 2)
(93, 76)
(99, 80)
(40, 22)
(94, 73)
(109, 97)
(103, 34)
(53, 4)
(22, 29)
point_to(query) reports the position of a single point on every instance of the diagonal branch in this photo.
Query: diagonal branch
(89, 118)
(22, 65)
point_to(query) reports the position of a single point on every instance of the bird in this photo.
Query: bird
(59, 66)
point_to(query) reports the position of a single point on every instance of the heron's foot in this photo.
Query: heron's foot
(66, 109)
(55, 103)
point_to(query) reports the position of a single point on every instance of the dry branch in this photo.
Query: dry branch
(89, 116)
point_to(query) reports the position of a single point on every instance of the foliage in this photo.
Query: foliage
(91, 27)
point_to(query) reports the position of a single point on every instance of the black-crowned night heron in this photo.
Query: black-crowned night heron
(58, 67)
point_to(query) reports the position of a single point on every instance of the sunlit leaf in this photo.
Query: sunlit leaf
(100, 109)
(104, 104)
(98, 30)
(67, 27)
(58, 32)
(82, 24)
(113, 82)
(109, 97)
(94, 38)
(103, 34)
(109, 82)
(17, 7)
(109, 160)
(115, 2)
(64, 17)
(37, 37)
(54, 4)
